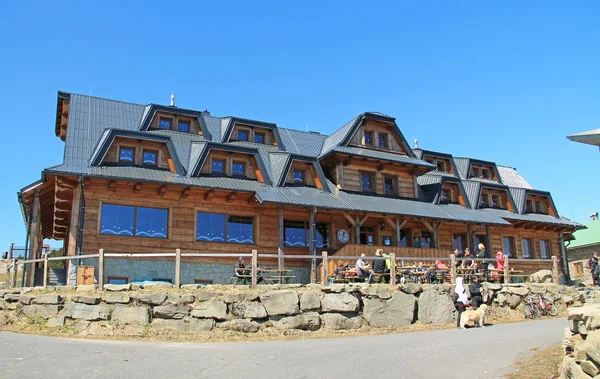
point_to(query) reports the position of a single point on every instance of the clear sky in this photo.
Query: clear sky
(500, 81)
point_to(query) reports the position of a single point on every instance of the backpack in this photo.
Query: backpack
(588, 265)
(454, 297)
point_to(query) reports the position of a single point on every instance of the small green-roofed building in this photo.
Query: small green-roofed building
(582, 247)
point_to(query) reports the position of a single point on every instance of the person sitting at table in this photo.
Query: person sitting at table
(239, 271)
(362, 269)
(476, 269)
(460, 298)
(468, 257)
(338, 271)
(259, 278)
(475, 291)
(420, 267)
(378, 266)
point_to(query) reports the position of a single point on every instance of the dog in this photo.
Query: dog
(478, 317)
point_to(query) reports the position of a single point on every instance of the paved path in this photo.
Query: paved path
(436, 354)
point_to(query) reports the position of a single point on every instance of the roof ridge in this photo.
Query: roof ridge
(105, 98)
(303, 131)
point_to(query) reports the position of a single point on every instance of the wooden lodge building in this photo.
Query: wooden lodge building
(153, 178)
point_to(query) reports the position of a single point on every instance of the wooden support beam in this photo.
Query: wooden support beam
(100, 270)
(312, 247)
(112, 185)
(325, 265)
(380, 167)
(350, 219)
(362, 221)
(231, 196)
(346, 162)
(280, 241)
(393, 269)
(177, 268)
(87, 182)
(209, 194)
(357, 230)
(186, 192)
(427, 224)
(162, 190)
(390, 222)
(137, 188)
(435, 237)
(490, 249)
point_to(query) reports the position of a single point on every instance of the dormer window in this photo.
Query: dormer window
(218, 166)
(298, 176)
(165, 123)
(540, 207)
(530, 205)
(259, 138)
(441, 166)
(495, 201)
(242, 135)
(444, 196)
(383, 141)
(149, 158)
(483, 201)
(183, 126)
(366, 182)
(368, 138)
(126, 154)
(485, 173)
(239, 169)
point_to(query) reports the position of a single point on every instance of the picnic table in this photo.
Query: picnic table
(273, 275)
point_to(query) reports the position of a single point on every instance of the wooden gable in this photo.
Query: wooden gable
(482, 171)
(163, 157)
(494, 198)
(251, 170)
(442, 164)
(538, 204)
(378, 135)
(249, 133)
(308, 173)
(174, 120)
(451, 194)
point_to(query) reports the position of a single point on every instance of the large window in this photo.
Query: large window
(508, 246)
(460, 242)
(215, 227)
(124, 220)
(545, 248)
(366, 182)
(297, 234)
(426, 240)
(526, 247)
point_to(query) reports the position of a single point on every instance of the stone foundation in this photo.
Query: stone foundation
(195, 308)
(582, 343)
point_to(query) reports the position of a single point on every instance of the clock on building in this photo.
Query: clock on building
(343, 235)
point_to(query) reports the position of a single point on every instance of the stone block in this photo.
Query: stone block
(240, 325)
(593, 321)
(117, 287)
(171, 311)
(376, 291)
(55, 322)
(48, 299)
(396, 312)
(249, 309)
(150, 298)
(12, 297)
(508, 299)
(86, 312)
(188, 325)
(341, 321)
(40, 311)
(86, 288)
(205, 295)
(436, 308)
(333, 288)
(520, 291)
(4, 304)
(589, 368)
(411, 288)
(124, 315)
(238, 297)
(304, 321)
(310, 300)
(116, 298)
(25, 299)
(180, 299)
(86, 299)
(280, 302)
(591, 346)
(542, 276)
(342, 302)
(158, 286)
(211, 309)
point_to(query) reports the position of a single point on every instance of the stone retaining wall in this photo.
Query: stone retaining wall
(195, 308)
(582, 343)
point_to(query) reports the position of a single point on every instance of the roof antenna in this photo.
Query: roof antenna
(172, 100)
(416, 144)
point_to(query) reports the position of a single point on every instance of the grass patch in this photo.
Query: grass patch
(542, 364)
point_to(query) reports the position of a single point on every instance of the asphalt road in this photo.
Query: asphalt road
(474, 353)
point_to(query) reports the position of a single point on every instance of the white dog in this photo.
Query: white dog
(478, 317)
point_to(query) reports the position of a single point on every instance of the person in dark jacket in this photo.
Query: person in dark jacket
(475, 291)
(594, 269)
(240, 272)
(378, 265)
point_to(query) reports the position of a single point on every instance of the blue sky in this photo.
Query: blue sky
(500, 81)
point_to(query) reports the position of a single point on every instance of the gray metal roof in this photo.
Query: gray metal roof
(532, 217)
(91, 121)
(519, 195)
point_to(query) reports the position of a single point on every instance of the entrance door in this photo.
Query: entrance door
(367, 236)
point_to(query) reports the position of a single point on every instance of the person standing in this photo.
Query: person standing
(378, 265)
(594, 267)
(461, 299)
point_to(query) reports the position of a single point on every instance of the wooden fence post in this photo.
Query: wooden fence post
(555, 269)
(15, 271)
(453, 268)
(393, 269)
(177, 268)
(254, 267)
(101, 270)
(325, 263)
(45, 270)
(506, 270)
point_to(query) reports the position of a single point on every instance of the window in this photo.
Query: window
(475, 172)
(242, 135)
(239, 169)
(441, 165)
(149, 158)
(218, 166)
(298, 176)
(486, 173)
(126, 154)
(164, 123)
(508, 246)
(526, 247)
(366, 182)
(117, 280)
(297, 234)
(578, 269)
(126, 220)
(545, 249)
(387, 241)
(444, 196)
(529, 205)
(459, 242)
(496, 201)
(389, 185)
(540, 207)
(404, 237)
(383, 141)
(425, 240)
(259, 137)
(430, 160)
(203, 281)
(184, 126)
(483, 201)
(213, 227)
(368, 138)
